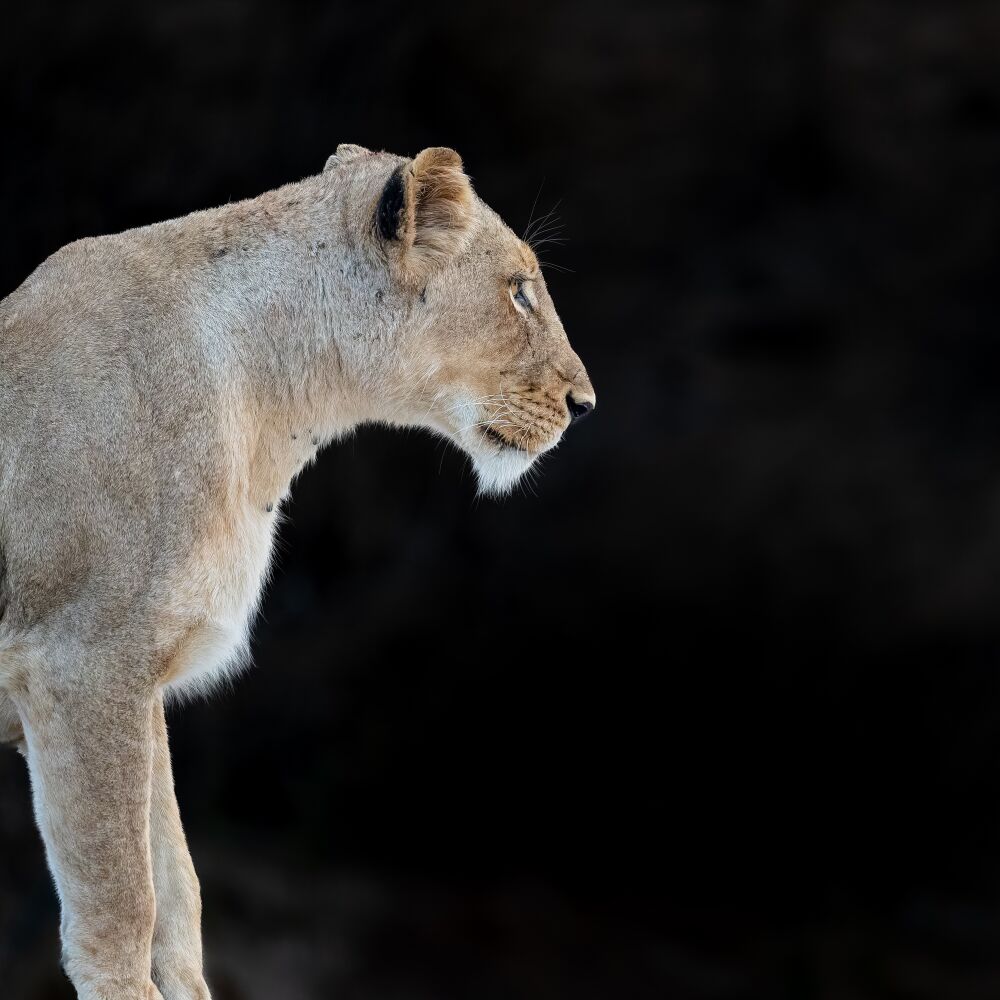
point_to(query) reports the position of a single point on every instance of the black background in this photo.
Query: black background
(713, 709)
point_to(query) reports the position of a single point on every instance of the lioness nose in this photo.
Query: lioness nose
(578, 408)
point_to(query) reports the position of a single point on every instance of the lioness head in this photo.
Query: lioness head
(482, 356)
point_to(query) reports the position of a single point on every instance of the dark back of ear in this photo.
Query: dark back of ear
(389, 215)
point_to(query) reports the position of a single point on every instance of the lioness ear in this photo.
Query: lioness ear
(426, 206)
(346, 152)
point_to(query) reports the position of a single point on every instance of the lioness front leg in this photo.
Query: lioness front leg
(177, 958)
(90, 753)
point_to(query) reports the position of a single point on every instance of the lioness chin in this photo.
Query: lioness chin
(159, 390)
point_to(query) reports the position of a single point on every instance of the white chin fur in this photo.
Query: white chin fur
(500, 472)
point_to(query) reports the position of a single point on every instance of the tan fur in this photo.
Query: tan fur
(438, 211)
(159, 390)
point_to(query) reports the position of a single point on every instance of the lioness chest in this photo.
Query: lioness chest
(213, 596)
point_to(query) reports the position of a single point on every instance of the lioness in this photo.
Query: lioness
(159, 390)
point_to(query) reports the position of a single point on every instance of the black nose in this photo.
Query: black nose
(577, 409)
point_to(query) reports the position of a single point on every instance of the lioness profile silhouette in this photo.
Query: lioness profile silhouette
(159, 390)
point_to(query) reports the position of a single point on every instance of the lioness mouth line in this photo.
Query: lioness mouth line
(497, 438)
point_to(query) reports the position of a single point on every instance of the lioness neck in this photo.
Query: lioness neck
(306, 315)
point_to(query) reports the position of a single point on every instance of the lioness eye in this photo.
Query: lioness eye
(518, 293)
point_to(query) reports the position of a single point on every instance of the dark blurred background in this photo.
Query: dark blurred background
(713, 710)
